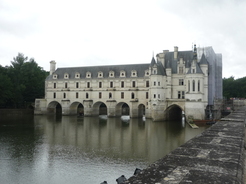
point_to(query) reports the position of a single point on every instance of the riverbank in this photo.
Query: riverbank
(16, 112)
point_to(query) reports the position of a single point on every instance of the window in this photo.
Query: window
(122, 84)
(110, 95)
(88, 74)
(111, 84)
(146, 72)
(66, 76)
(77, 95)
(64, 95)
(133, 95)
(133, 84)
(54, 76)
(134, 73)
(147, 84)
(77, 85)
(181, 94)
(181, 70)
(100, 94)
(100, 84)
(188, 85)
(193, 85)
(193, 71)
(155, 71)
(159, 96)
(54, 95)
(87, 95)
(147, 95)
(159, 83)
(122, 73)
(100, 74)
(65, 84)
(122, 95)
(88, 84)
(154, 95)
(198, 86)
(54, 85)
(111, 74)
(77, 75)
(181, 82)
(154, 83)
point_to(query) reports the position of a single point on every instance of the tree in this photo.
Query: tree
(21, 83)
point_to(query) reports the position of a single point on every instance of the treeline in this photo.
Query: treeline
(21, 83)
(234, 88)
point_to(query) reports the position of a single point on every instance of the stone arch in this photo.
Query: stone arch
(54, 107)
(99, 108)
(141, 110)
(76, 108)
(173, 112)
(122, 108)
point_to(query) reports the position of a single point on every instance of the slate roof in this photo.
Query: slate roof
(172, 63)
(140, 69)
(198, 69)
(203, 60)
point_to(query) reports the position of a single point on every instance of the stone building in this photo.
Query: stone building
(175, 83)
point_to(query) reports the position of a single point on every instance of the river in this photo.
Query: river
(89, 150)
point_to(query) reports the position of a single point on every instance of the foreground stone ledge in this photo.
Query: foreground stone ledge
(215, 156)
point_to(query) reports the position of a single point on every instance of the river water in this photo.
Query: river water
(89, 150)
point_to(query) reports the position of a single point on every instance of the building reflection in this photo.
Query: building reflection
(116, 137)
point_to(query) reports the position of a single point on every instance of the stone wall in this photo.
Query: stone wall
(215, 156)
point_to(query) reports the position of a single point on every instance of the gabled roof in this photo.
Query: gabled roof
(153, 62)
(203, 60)
(198, 69)
(139, 68)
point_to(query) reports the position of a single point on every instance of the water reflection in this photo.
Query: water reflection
(53, 149)
(116, 137)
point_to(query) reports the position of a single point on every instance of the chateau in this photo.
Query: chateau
(175, 83)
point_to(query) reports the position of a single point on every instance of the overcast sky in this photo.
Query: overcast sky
(103, 32)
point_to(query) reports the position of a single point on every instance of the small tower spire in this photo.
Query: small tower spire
(195, 53)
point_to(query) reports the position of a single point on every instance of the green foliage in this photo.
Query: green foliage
(234, 88)
(21, 82)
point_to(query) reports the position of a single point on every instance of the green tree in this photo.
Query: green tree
(22, 82)
(6, 88)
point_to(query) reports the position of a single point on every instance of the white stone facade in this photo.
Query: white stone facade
(174, 82)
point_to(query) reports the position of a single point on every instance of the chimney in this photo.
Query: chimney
(175, 52)
(52, 67)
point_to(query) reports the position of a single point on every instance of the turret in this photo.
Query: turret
(52, 67)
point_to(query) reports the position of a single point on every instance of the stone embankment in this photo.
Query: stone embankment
(215, 156)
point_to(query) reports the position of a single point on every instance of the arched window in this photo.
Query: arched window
(110, 95)
(133, 95)
(193, 85)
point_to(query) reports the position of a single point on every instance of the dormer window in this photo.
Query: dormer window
(134, 73)
(88, 74)
(54, 76)
(66, 76)
(100, 74)
(122, 73)
(155, 71)
(146, 72)
(111, 74)
(77, 75)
